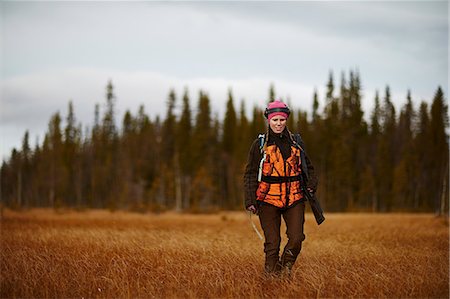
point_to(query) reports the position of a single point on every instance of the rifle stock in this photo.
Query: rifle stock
(315, 207)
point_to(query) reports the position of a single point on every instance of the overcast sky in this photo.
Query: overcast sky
(53, 52)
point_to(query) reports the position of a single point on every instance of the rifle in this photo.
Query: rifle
(313, 201)
(315, 206)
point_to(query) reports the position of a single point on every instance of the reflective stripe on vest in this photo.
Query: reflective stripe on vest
(280, 179)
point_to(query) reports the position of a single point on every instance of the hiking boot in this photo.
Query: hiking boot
(272, 267)
(286, 270)
(286, 263)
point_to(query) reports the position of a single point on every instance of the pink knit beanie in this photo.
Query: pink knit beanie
(276, 107)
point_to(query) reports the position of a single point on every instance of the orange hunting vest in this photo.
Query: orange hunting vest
(280, 180)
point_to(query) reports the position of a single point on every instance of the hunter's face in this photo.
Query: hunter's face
(277, 123)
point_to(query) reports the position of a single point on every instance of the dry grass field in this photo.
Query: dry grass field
(98, 254)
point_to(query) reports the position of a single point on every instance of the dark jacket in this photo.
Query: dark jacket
(283, 141)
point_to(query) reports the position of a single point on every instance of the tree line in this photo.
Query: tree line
(194, 161)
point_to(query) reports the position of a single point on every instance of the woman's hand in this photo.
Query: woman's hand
(252, 208)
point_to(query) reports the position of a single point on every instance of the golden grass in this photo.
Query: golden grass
(97, 254)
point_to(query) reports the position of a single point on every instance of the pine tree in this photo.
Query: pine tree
(202, 131)
(228, 180)
(71, 149)
(106, 184)
(342, 162)
(35, 179)
(202, 185)
(94, 163)
(147, 156)
(55, 144)
(374, 155)
(330, 89)
(358, 132)
(109, 131)
(439, 151)
(405, 170)
(156, 193)
(244, 140)
(184, 132)
(314, 145)
(424, 157)
(229, 126)
(128, 194)
(184, 146)
(25, 175)
(327, 154)
(110, 137)
(169, 126)
(386, 153)
(168, 152)
(315, 107)
(215, 198)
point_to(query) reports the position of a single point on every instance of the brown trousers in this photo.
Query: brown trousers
(270, 219)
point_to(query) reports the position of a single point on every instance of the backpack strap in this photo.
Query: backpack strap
(298, 142)
(262, 140)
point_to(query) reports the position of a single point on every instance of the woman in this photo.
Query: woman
(272, 182)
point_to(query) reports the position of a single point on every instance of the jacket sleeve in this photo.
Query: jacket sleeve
(312, 177)
(251, 174)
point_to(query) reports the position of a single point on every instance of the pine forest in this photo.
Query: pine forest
(387, 161)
